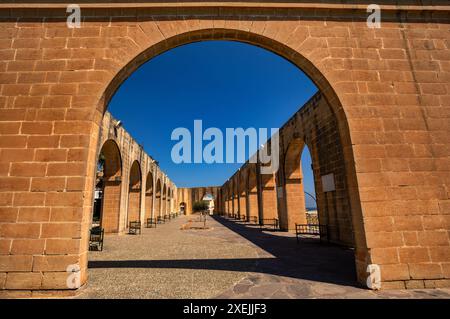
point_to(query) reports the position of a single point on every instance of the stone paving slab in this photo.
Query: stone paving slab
(227, 260)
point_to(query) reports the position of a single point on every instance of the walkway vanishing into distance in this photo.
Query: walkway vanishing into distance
(227, 260)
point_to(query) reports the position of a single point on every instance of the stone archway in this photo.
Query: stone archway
(149, 196)
(164, 201)
(373, 80)
(268, 194)
(134, 193)
(294, 193)
(111, 180)
(158, 198)
(168, 200)
(182, 208)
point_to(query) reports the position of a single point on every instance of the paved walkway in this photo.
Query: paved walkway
(227, 260)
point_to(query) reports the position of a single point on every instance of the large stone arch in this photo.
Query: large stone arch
(268, 183)
(111, 186)
(286, 50)
(375, 82)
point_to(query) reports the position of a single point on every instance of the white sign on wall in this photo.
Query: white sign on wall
(328, 183)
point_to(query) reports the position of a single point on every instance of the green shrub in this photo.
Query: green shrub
(200, 206)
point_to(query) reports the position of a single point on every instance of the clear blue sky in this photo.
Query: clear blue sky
(224, 84)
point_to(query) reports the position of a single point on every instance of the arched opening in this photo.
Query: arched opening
(210, 200)
(164, 201)
(158, 199)
(295, 195)
(169, 201)
(309, 185)
(268, 208)
(107, 189)
(183, 208)
(134, 194)
(149, 196)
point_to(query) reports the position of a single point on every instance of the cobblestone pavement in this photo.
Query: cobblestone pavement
(227, 260)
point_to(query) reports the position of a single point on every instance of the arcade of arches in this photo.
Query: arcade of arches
(378, 129)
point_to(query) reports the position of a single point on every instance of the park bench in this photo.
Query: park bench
(151, 222)
(96, 238)
(160, 220)
(243, 218)
(134, 227)
(253, 219)
(311, 230)
(272, 222)
(166, 217)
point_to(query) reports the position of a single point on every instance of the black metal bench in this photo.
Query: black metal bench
(166, 217)
(253, 219)
(273, 222)
(150, 222)
(243, 218)
(96, 238)
(160, 220)
(134, 227)
(311, 230)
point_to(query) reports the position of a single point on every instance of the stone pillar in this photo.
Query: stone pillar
(295, 203)
(134, 205)
(269, 201)
(111, 206)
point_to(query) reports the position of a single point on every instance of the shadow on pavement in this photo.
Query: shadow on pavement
(308, 260)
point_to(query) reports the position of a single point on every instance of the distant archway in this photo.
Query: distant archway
(158, 198)
(183, 208)
(134, 193)
(164, 201)
(295, 197)
(108, 184)
(149, 196)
